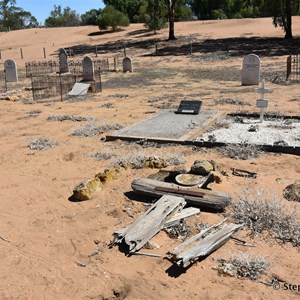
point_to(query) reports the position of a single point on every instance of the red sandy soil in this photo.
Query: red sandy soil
(47, 241)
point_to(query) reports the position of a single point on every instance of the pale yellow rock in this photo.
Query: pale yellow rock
(87, 188)
(201, 167)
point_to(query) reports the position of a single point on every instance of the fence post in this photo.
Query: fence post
(21, 51)
(0, 55)
(100, 81)
(96, 51)
(45, 52)
(191, 47)
(32, 87)
(124, 46)
(60, 86)
(156, 50)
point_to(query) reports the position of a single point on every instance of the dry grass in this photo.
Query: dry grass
(231, 101)
(261, 213)
(103, 155)
(63, 118)
(92, 129)
(241, 151)
(41, 144)
(135, 161)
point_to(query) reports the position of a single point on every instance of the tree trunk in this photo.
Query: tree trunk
(171, 10)
(288, 20)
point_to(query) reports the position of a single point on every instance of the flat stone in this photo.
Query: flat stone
(79, 89)
(167, 125)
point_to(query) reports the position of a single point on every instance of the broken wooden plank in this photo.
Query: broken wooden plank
(196, 237)
(197, 197)
(149, 223)
(185, 213)
(209, 244)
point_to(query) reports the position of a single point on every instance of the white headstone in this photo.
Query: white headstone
(251, 70)
(88, 69)
(127, 64)
(11, 72)
(63, 61)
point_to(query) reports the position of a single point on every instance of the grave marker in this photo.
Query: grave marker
(127, 64)
(79, 89)
(63, 61)
(189, 107)
(11, 72)
(251, 70)
(88, 69)
(262, 103)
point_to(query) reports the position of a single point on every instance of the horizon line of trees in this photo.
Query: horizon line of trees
(155, 14)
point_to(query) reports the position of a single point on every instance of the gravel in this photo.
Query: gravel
(280, 132)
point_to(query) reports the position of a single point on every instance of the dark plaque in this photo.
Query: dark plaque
(189, 107)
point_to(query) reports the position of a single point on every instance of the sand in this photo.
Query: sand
(51, 247)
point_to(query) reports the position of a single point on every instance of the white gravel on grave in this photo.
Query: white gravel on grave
(268, 132)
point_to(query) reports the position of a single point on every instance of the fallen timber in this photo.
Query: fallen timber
(209, 244)
(149, 223)
(184, 214)
(196, 197)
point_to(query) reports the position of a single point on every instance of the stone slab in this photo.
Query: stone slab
(189, 107)
(168, 126)
(79, 89)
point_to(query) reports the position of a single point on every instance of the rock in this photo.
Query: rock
(109, 174)
(87, 188)
(292, 192)
(155, 162)
(201, 167)
(10, 98)
(217, 176)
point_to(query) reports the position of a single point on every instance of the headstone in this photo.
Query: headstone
(251, 70)
(11, 72)
(63, 61)
(262, 103)
(79, 89)
(189, 107)
(127, 64)
(88, 69)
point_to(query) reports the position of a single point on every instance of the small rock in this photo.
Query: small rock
(108, 174)
(155, 162)
(201, 167)
(151, 246)
(292, 192)
(253, 128)
(280, 143)
(86, 189)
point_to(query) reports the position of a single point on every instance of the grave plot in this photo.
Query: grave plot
(168, 126)
(249, 130)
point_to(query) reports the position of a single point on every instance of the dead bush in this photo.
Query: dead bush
(103, 155)
(244, 266)
(262, 213)
(241, 151)
(92, 129)
(41, 144)
(63, 118)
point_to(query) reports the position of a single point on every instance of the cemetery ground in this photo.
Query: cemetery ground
(52, 247)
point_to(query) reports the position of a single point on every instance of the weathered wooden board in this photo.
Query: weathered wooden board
(197, 197)
(185, 213)
(209, 244)
(149, 223)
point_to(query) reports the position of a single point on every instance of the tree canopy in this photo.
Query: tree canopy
(13, 17)
(62, 17)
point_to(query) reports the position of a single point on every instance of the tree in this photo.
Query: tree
(128, 7)
(13, 17)
(62, 17)
(111, 17)
(155, 17)
(90, 17)
(171, 5)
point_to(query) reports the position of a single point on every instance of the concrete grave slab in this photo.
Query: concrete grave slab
(79, 89)
(168, 126)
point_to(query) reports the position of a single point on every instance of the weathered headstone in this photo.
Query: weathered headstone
(189, 107)
(63, 61)
(251, 70)
(11, 72)
(127, 64)
(88, 69)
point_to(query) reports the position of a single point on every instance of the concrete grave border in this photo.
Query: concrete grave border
(187, 139)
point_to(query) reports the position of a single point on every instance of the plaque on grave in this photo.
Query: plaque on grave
(262, 103)
(189, 107)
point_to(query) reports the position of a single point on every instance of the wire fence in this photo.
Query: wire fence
(293, 68)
